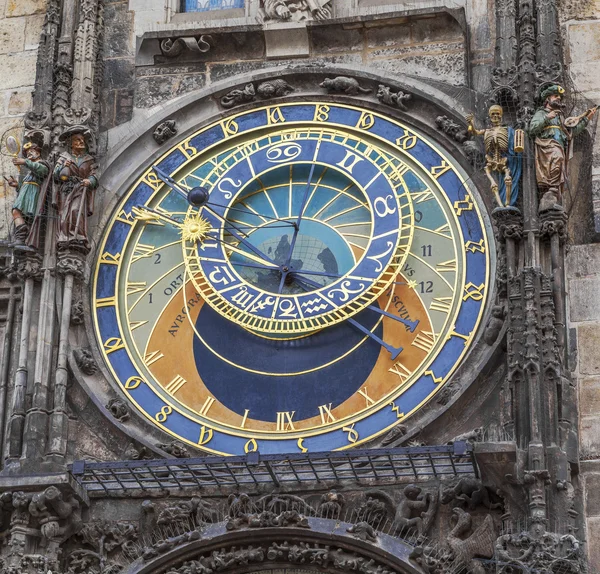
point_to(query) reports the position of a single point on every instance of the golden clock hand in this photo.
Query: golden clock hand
(252, 257)
(144, 213)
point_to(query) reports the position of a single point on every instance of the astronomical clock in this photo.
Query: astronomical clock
(292, 278)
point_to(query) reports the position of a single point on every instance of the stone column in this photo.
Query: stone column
(29, 270)
(71, 264)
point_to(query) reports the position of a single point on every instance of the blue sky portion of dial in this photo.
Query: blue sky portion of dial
(474, 296)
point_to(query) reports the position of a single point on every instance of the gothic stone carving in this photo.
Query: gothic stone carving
(85, 361)
(173, 47)
(295, 10)
(164, 131)
(77, 313)
(348, 86)
(394, 99)
(470, 493)
(479, 544)
(330, 505)
(275, 88)
(451, 128)
(119, 409)
(176, 449)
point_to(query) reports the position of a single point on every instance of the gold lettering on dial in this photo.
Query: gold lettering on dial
(274, 116)
(396, 409)
(407, 141)
(106, 302)
(352, 434)
(151, 358)
(326, 414)
(364, 393)
(113, 344)
(175, 385)
(439, 170)
(110, 259)
(473, 247)
(251, 446)
(285, 421)
(246, 412)
(465, 204)
(349, 162)
(442, 304)
(301, 445)
(206, 406)
(366, 121)
(206, 434)
(474, 292)
(162, 415)
(400, 370)
(446, 266)
(133, 383)
(322, 113)
(424, 341)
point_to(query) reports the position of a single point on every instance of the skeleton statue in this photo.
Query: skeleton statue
(503, 156)
(297, 10)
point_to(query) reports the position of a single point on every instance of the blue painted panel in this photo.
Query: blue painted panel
(206, 5)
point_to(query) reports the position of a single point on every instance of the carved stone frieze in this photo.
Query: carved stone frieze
(452, 129)
(509, 223)
(77, 313)
(164, 131)
(72, 262)
(469, 493)
(331, 505)
(294, 10)
(176, 449)
(495, 324)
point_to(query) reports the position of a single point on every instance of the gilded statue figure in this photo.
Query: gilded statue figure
(31, 190)
(297, 10)
(553, 135)
(75, 181)
(503, 156)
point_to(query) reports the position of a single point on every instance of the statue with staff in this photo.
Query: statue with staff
(504, 147)
(553, 135)
(75, 182)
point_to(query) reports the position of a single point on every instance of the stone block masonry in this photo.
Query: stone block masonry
(21, 24)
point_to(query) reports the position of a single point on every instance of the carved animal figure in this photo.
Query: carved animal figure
(385, 94)
(480, 544)
(415, 511)
(274, 89)
(469, 492)
(349, 86)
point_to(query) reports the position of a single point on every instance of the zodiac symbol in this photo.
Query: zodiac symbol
(283, 152)
(345, 291)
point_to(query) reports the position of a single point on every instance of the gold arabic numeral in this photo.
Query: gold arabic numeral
(206, 434)
(251, 446)
(136, 324)
(133, 383)
(106, 302)
(441, 304)
(301, 446)
(152, 357)
(435, 379)
(275, 116)
(473, 246)
(175, 385)
(162, 415)
(466, 338)
(399, 369)
(473, 291)
(366, 121)
(326, 414)
(424, 341)
(352, 433)
(407, 141)
(396, 409)
(438, 170)
(245, 418)
(152, 180)
(188, 150)
(349, 162)
(125, 217)
(446, 266)
(142, 251)
(113, 344)
(465, 204)
(321, 113)
(134, 287)
(285, 421)
(110, 259)
(230, 127)
(206, 406)
(364, 393)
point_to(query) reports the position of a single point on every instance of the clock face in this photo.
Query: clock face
(297, 278)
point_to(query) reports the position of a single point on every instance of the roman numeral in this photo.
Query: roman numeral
(136, 324)
(141, 251)
(363, 393)
(439, 170)
(151, 358)
(442, 304)
(326, 414)
(424, 341)
(206, 406)
(285, 422)
(175, 385)
(446, 266)
(422, 196)
(135, 287)
(400, 370)
(106, 302)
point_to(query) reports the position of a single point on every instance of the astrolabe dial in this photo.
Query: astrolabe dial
(296, 285)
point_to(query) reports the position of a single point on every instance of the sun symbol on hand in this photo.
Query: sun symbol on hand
(195, 228)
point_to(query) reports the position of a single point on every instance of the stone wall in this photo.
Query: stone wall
(583, 274)
(20, 27)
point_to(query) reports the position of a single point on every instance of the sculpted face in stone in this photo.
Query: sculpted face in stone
(78, 144)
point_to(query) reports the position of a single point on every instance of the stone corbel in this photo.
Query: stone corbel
(174, 47)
